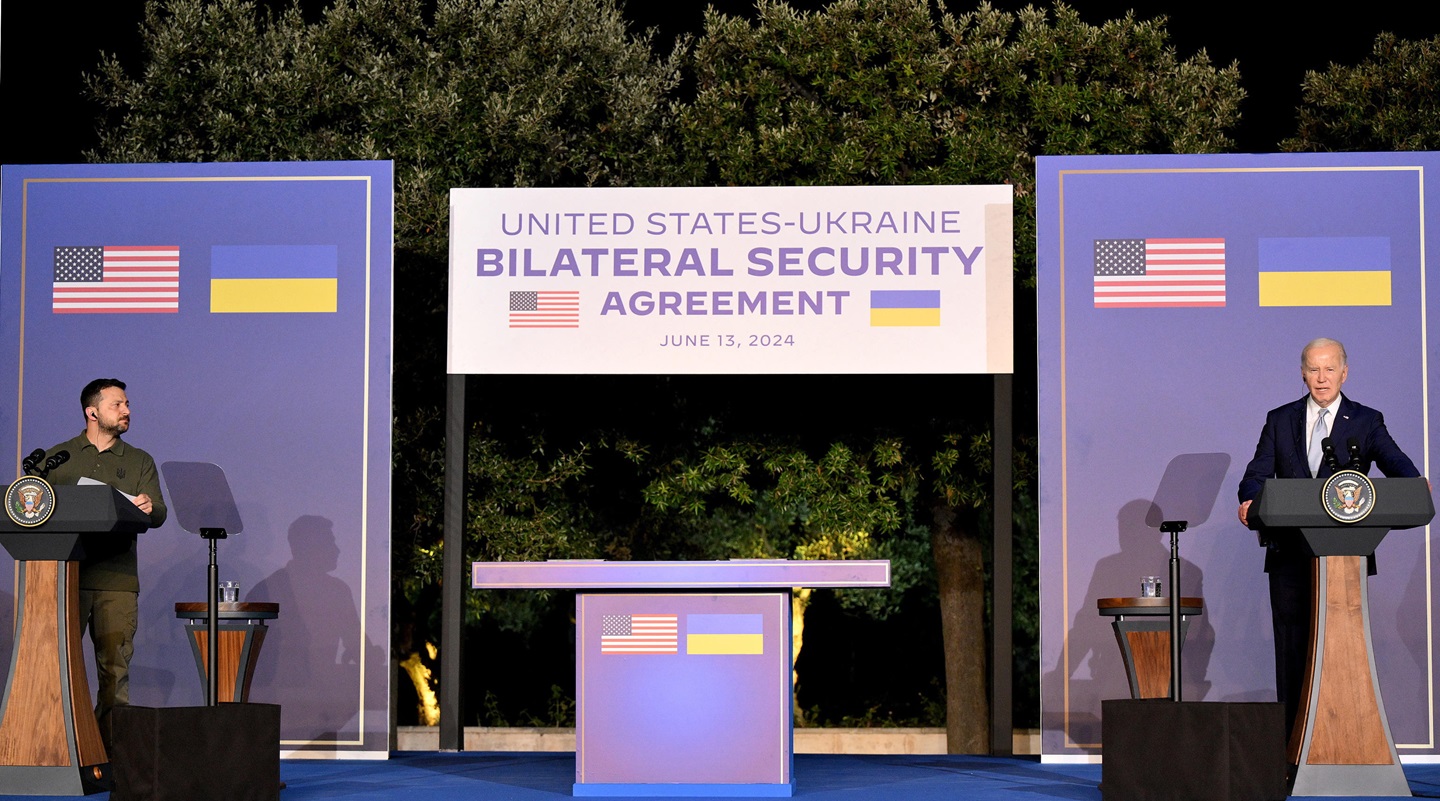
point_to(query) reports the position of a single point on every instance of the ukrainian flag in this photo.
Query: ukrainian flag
(274, 278)
(1325, 271)
(724, 634)
(904, 307)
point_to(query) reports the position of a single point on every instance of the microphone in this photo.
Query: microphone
(60, 457)
(33, 459)
(1328, 449)
(1355, 464)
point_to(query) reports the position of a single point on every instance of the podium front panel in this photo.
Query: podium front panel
(690, 689)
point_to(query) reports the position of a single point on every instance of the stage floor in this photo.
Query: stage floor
(468, 776)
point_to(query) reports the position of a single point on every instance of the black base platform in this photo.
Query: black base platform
(1158, 750)
(230, 751)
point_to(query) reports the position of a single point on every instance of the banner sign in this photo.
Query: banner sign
(247, 307)
(893, 279)
(1175, 294)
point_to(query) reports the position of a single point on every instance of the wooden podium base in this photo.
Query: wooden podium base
(1341, 744)
(49, 741)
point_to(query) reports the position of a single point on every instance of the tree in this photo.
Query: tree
(1386, 102)
(900, 91)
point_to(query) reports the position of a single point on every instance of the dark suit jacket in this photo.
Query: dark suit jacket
(1282, 453)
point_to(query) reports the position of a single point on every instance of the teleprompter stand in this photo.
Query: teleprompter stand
(204, 505)
(218, 750)
(1168, 749)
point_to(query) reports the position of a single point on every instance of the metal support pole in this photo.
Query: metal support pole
(212, 628)
(1002, 739)
(453, 582)
(1175, 639)
(1174, 529)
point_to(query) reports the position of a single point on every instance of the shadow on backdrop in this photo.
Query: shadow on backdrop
(313, 671)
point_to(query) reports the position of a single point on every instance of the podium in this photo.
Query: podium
(682, 669)
(49, 740)
(1341, 743)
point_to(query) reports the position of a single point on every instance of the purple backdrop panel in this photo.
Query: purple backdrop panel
(736, 574)
(1148, 393)
(688, 689)
(270, 358)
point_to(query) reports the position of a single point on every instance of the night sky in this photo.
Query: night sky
(45, 48)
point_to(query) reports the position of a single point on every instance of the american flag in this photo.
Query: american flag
(1131, 273)
(639, 634)
(116, 279)
(547, 309)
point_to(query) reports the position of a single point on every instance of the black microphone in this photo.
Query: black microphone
(1328, 448)
(33, 459)
(60, 457)
(1355, 464)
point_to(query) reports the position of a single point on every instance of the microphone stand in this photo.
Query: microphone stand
(1327, 448)
(1354, 463)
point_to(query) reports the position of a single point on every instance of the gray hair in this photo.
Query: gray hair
(1324, 342)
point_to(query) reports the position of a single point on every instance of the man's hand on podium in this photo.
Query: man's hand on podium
(144, 503)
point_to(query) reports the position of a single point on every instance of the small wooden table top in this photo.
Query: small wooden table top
(1117, 607)
(229, 610)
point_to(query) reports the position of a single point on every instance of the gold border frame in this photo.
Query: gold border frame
(1064, 421)
(368, 181)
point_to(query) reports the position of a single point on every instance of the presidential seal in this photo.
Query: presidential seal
(1348, 496)
(29, 501)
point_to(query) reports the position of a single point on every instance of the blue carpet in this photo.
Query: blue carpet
(548, 777)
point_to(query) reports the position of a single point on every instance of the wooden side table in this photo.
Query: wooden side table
(1142, 627)
(242, 632)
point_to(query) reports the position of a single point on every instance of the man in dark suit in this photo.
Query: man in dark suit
(1290, 447)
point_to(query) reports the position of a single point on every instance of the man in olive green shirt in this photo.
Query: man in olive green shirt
(109, 585)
